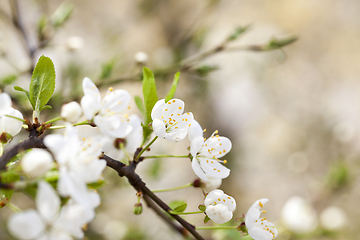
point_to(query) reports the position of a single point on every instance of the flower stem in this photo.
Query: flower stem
(185, 213)
(164, 156)
(76, 124)
(53, 120)
(125, 152)
(13, 207)
(173, 189)
(215, 227)
(22, 120)
(146, 147)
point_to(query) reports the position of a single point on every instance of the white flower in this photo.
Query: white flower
(333, 218)
(131, 142)
(219, 206)
(37, 162)
(211, 183)
(298, 215)
(169, 121)
(78, 164)
(206, 154)
(71, 112)
(106, 113)
(47, 222)
(7, 124)
(259, 228)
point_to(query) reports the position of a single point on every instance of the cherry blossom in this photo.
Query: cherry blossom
(259, 228)
(169, 121)
(7, 124)
(206, 154)
(106, 112)
(131, 142)
(219, 206)
(49, 222)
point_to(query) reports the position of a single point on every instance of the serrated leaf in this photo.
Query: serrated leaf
(17, 88)
(140, 104)
(206, 219)
(202, 207)
(42, 83)
(172, 91)
(150, 98)
(178, 206)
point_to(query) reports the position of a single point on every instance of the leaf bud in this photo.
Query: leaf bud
(138, 208)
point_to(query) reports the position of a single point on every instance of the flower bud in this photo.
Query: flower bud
(37, 162)
(141, 57)
(138, 208)
(71, 112)
(5, 138)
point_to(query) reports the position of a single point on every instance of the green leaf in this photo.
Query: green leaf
(171, 93)
(178, 206)
(42, 83)
(140, 104)
(237, 32)
(17, 88)
(6, 194)
(150, 98)
(206, 219)
(46, 107)
(202, 207)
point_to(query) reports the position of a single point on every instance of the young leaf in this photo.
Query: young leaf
(17, 88)
(149, 92)
(140, 105)
(42, 83)
(178, 206)
(150, 98)
(171, 93)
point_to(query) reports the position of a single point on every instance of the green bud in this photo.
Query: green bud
(279, 43)
(138, 208)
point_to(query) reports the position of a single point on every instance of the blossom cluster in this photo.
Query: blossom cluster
(77, 162)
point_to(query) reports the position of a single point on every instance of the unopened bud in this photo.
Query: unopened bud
(37, 162)
(138, 208)
(71, 112)
(74, 43)
(141, 57)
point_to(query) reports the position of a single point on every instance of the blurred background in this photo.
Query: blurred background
(292, 113)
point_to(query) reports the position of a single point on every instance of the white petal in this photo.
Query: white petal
(26, 225)
(176, 135)
(254, 212)
(5, 101)
(219, 146)
(90, 106)
(54, 142)
(159, 128)
(259, 234)
(196, 145)
(211, 183)
(90, 89)
(198, 171)
(213, 168)
(113, 126)
(11, 125)
(115, 101)
(47, 201)
(158, 109)
(195, 130)
(37, 162)
(219, 213)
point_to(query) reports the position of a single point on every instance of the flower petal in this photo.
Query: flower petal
(113, 126)
(26, 225)
(5, 102)
(115, 101)
(198, 171)
(218, 146)
(158, 109)
(47, 201)
(11, 125)
(260, 234)
(219, 214)
(195, 130)
(90, 89)
(213, 168)
(159, 128)
(91, 106)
